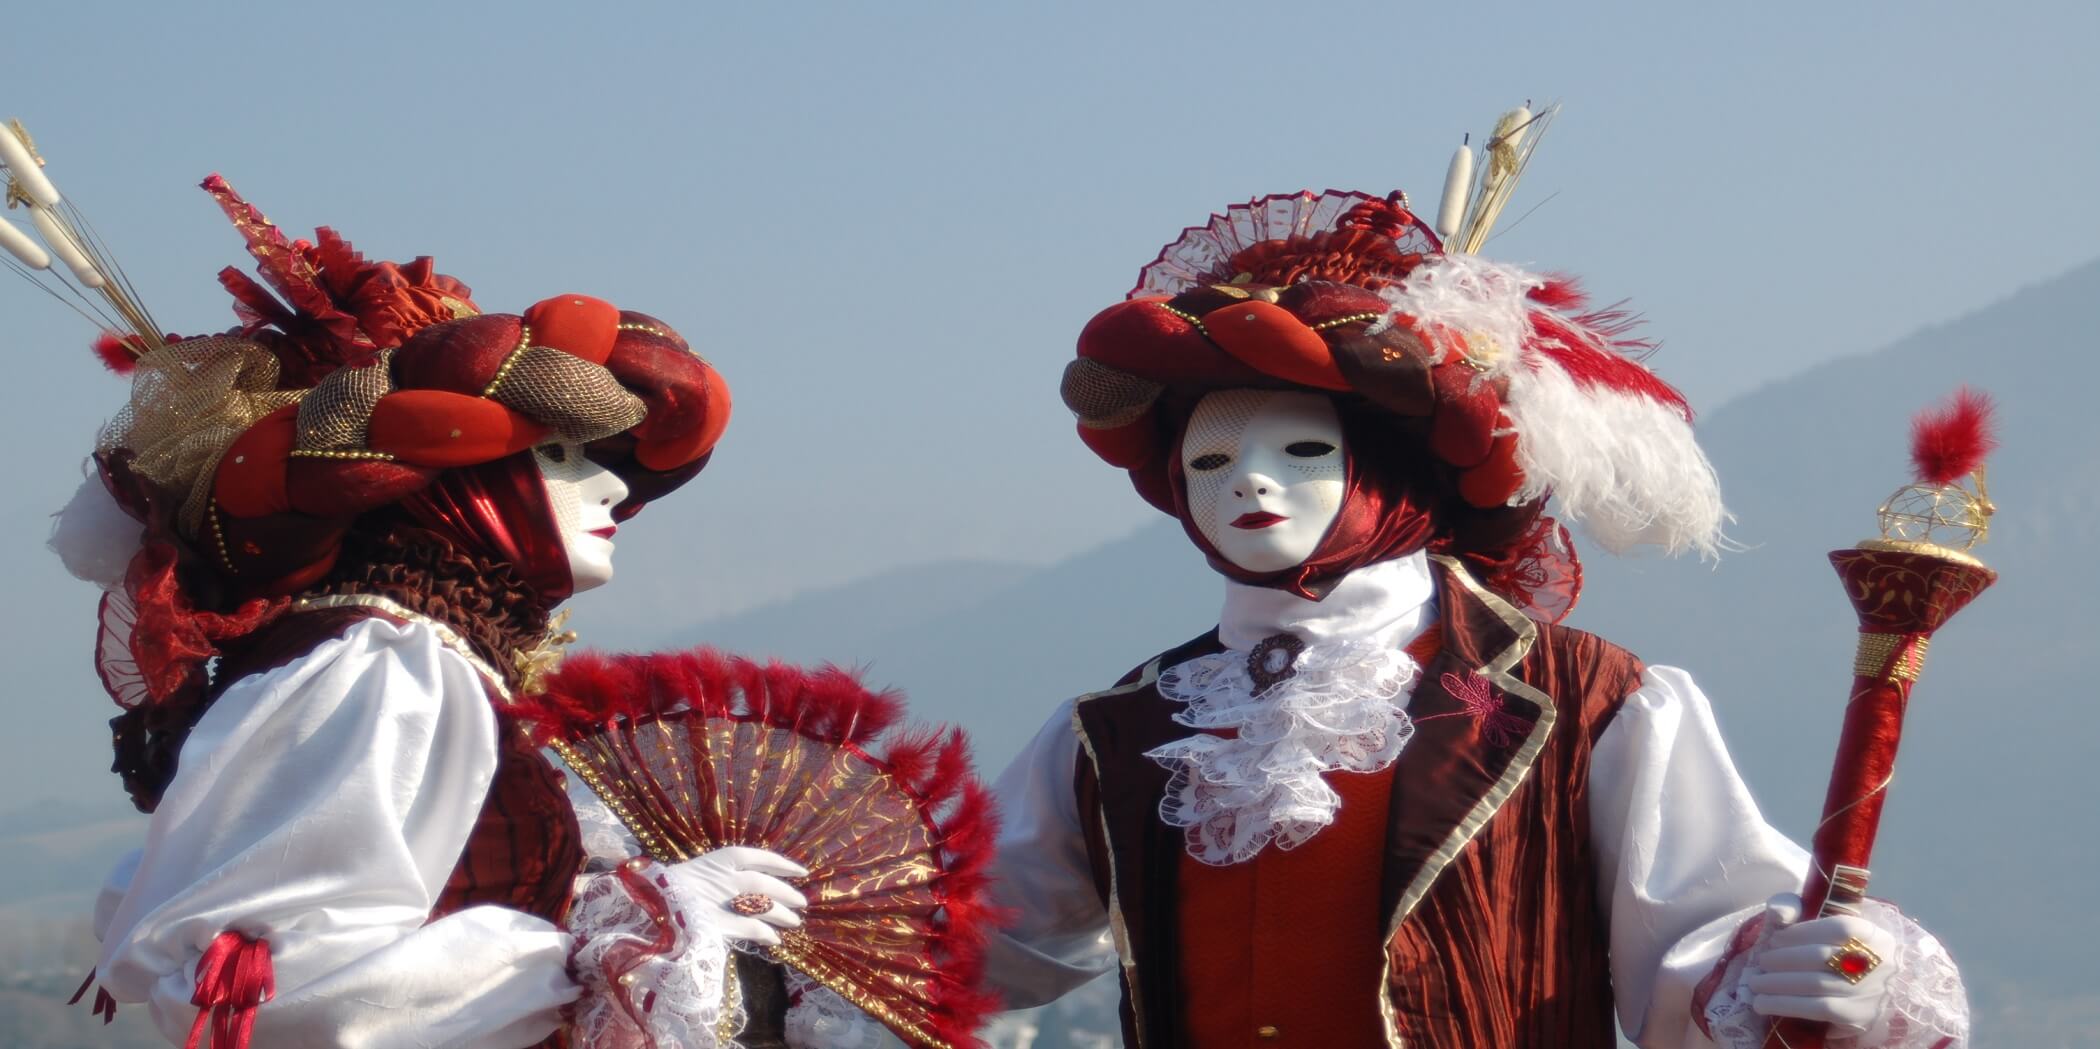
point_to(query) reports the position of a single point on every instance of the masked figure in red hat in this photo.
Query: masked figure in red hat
(1388, 800)
(338, 534)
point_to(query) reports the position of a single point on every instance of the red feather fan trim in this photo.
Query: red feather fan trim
(593, 694)
(1949, 442)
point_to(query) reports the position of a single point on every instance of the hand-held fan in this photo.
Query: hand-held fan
(694, 751)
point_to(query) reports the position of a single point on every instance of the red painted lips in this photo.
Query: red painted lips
(1257, 519)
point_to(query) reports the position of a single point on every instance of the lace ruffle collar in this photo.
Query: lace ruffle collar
(1302, 688)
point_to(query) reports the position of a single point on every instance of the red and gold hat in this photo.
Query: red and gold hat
(1502, 375)
(364, 383)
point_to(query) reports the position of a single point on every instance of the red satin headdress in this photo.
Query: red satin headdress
(366, 383)
(1499, 376)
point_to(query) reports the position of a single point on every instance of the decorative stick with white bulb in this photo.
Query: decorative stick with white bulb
(64, 236)
(1458, 185)
(1506, 154)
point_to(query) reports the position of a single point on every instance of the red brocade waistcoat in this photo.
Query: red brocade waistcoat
(1474, 878)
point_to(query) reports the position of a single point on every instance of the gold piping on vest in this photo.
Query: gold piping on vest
(1497, 671)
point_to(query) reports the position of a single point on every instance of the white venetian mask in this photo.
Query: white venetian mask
(1264, 471)
(582, 495)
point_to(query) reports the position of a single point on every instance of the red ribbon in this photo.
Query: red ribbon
(629, 952)
(105, 1005)
(233, 978)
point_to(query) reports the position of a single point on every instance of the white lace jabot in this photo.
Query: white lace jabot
(1333, 699)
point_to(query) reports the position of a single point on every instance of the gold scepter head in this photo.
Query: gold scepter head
(1947, 511)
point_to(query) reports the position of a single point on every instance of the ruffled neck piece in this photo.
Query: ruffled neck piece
(1302, 688)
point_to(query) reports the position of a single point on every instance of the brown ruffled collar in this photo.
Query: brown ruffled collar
(484, 601)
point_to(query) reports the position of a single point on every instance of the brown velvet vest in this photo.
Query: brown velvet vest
(1493, 936)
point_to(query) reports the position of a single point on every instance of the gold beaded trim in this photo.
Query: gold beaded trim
(503, 371)
(651, 842)
(1350, 319)
(1876, 651)
(1189, 317)
(650, 328)
(445, 634)
(218, 535)
(342, 453)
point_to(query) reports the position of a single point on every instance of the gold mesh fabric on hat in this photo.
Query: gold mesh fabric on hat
(581, 400)
(337, 414)
(189, 401)
(1104, 398)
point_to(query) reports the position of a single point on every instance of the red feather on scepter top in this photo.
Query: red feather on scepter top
(1949, 442)
(1947, 506)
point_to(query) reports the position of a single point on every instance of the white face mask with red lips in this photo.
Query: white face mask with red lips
(1264, 471)
(582, 495)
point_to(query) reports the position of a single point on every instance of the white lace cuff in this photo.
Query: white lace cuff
(1924, 1006)
(817, 1018)
(651, 979)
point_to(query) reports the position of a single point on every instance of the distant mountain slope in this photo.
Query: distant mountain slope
(848, 624)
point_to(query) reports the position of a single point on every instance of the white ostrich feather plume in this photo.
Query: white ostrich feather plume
(1620, 465)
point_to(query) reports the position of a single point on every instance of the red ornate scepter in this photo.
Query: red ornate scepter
(1904, 587)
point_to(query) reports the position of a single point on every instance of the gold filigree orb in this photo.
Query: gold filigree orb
(1954, 516)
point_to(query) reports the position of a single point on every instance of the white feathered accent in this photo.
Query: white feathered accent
(1484, 302)
(93, 536)
(1622, 465)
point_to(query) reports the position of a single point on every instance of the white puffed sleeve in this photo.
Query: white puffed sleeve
(1685, 859)
(1684, 856)
(320, 806)
(1058, 938)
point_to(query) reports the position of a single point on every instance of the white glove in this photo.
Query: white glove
(706, 889)
(1790, 974)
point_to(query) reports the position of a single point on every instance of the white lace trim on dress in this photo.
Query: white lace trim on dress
(651, 979)
(1341, 710)
(819, 1018)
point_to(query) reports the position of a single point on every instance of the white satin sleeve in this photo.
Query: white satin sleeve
(1683, 854)
(1058, 938)
(321, 806)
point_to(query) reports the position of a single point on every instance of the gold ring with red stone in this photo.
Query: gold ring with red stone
(753, 904)
(1854, 960)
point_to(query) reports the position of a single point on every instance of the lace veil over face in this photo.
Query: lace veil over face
(1264, 475)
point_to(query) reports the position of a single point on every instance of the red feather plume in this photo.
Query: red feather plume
(1949, 442)
(119, 353)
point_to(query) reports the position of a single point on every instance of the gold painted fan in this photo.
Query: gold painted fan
(694, 751)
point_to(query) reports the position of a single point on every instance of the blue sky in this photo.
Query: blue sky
(885, 223)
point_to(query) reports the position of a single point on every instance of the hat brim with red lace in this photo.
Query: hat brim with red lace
(1504, 376)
